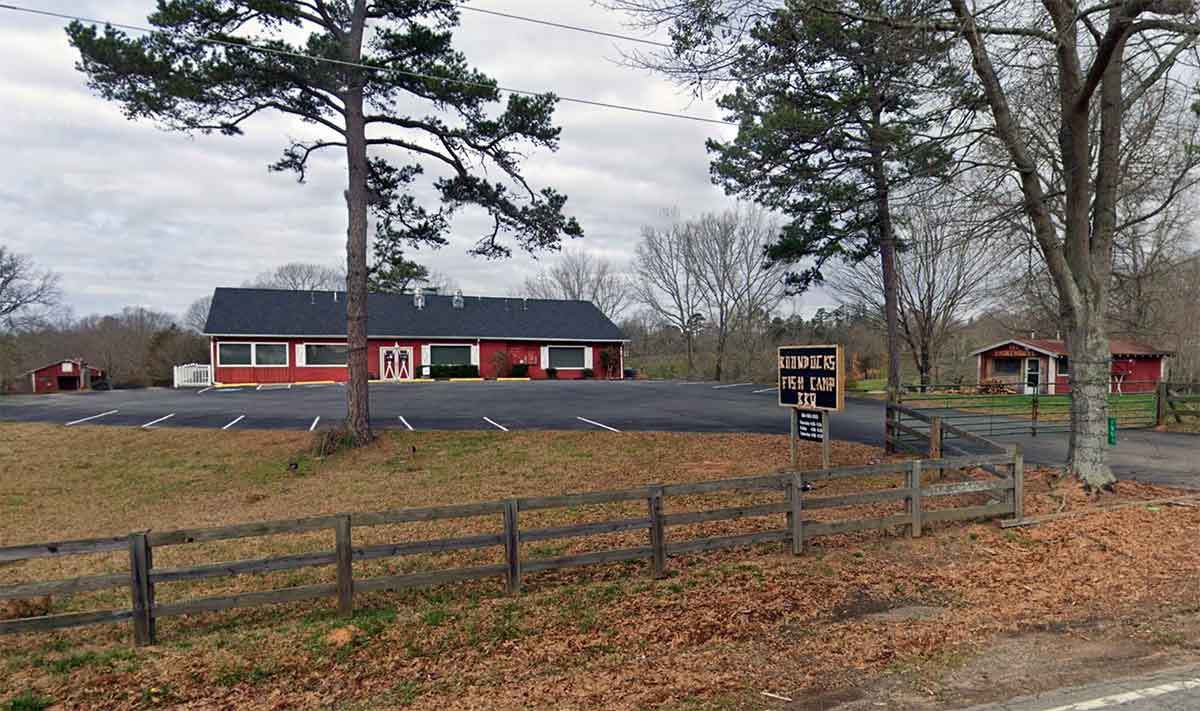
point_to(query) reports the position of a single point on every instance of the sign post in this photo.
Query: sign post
(811, 385)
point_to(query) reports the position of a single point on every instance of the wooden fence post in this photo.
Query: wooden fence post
(795, 516)
(914, 499)
(1018, 490)
(658, 543)
(512, 547)
(935, 437)
(345, 567)
(888, 430)
(794, 436)
(141, 589)
(1160, 403)
(825, 463)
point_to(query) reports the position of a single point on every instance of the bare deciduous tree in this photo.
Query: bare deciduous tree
(196, 316)
(301, 276)
(23, 289)
(580, 276)
(665, 283)
(947, 273)
(716, 266)
(1106, 56)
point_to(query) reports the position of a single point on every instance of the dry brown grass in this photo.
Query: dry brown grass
(720, 629)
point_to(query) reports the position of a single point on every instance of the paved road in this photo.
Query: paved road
(1174, 690)
(555, 405)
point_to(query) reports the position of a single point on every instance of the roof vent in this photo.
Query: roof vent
(457, 302)
(419, 299)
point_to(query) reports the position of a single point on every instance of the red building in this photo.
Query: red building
(278, 336)
(59, 376)
(1042, 365)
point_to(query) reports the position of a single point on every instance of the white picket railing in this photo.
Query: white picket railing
(193, 375)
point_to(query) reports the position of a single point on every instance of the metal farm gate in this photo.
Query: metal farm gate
(992, 411)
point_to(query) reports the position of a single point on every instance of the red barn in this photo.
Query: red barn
(59, 376)
(1042, 365)
(278, 336)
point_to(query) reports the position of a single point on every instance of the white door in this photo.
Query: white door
(395, 363)
(1033, 375)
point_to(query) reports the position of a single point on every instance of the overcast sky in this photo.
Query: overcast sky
(129, 214)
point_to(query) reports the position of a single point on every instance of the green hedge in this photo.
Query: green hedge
(519, 370)
(454, 371)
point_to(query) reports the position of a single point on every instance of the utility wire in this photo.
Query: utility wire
(559, 25)
(370, 68)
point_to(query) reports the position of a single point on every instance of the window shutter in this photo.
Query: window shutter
(475, 355)
(544, 361)
(587, 356)
(300, 354)
(424, 371)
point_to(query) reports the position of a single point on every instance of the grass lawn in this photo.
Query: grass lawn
(723, 627)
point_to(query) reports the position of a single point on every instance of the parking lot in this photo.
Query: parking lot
(646, 406)
(541, 405)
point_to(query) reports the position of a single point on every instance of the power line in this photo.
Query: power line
(368, 67)
(550, 23)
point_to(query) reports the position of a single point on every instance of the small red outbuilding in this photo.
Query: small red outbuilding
(59, 376)
(1042, 365)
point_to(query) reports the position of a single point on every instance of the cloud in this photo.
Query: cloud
(130, 214)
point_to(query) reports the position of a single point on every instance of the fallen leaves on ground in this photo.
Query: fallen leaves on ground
(720, 628)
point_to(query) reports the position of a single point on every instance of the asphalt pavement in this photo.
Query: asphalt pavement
(670, 406)
(1174, 690)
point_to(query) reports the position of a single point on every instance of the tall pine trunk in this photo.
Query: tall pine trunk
(358, 397)
(887, 245)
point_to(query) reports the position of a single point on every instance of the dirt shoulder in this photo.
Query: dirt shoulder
(873, 617)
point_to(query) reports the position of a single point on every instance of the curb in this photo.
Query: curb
(513, 380)
(236, 385)
(465, 380)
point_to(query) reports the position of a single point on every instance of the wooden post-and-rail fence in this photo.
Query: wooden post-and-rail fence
(142, 577)
(1176, 400)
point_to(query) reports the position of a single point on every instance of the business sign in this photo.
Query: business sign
(810, 425)
(812, 377)
(1013, 353)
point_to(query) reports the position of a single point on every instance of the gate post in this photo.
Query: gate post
(1035, 413)
(1160, 403)
(935, 437)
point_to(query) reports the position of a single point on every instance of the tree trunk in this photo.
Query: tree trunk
(687, 337)
(720, 357)
(1091, 369)
(924, 366)
(891, 302)
(358, 397)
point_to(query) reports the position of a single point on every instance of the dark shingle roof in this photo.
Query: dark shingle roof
(276, 312)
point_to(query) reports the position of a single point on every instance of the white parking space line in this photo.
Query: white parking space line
(235, 420)
(201, 392)
(152, 423)
(313, 426)
(259, 387)
(405, 423)
(495, 424)
(93, 417)
(733, 385)
(765, 390)
(1120, 699)
(598, 424)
